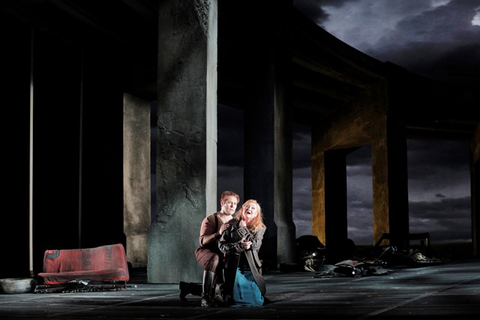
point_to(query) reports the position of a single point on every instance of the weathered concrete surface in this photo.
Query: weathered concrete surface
(136, 178)
(349, 127)
(367, 119)
(186, 138)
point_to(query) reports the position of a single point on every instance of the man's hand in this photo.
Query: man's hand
(223, 228)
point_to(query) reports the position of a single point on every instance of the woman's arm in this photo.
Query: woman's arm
(257, 239)
(229, 241)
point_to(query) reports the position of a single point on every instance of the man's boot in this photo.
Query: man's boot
(208, 287)
(229, 276)
(218, 295)
(189, 288)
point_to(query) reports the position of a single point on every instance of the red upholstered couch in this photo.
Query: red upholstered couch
(104, 263)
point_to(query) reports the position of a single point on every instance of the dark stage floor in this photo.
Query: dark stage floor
(450, 290)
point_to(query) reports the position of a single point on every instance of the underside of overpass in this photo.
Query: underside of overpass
(89, 53)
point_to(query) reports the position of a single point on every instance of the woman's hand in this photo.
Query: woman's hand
(246, 244)
(242, 223)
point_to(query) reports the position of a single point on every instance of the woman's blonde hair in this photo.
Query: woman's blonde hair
(257, 222)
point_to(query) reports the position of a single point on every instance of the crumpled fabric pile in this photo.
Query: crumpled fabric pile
(419, 258)
(373, 266)
(351, 268)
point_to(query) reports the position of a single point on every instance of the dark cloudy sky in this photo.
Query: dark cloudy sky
(436, 38)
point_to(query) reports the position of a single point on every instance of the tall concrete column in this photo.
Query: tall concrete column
(259, 164)
(390, 180)
(319, 225)
(268, 173)
(186, 137)
(283, 180)
(283, 174)
(268, 133)
(336, 201)
(475, 190)
(329, 197)
(136, 178)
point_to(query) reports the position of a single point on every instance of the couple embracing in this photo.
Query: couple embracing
(228, 253)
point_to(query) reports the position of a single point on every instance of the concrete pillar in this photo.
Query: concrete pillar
(268, 133)
(259, 165)
(283, 176)
(475, 193)
(268, 171)
(319, 225)
(186, 138)
(329, 183)
(336, 201)
(136, 178)
(390, 180)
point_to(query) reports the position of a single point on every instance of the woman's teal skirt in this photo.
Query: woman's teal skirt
(246, 291)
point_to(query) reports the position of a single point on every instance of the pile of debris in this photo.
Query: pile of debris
(351, 268)
(82, 286)
(312, 255)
